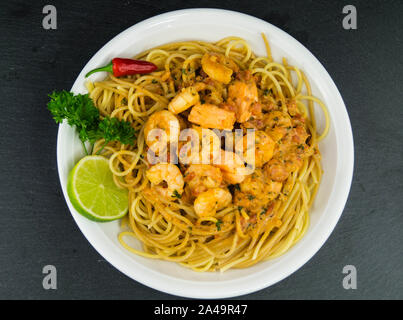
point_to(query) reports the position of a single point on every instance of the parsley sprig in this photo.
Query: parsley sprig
(80, 111)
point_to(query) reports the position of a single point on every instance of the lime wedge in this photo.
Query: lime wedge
(93, 192)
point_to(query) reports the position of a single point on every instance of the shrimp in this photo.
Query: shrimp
(242, 94)
(210, 145)
(263, 145)
(186, 98)
(167, 122)
(208, 202)
(232, 167)
(201, 145)
(218, 67)
(211, 116)
(277, 124)
(171, 175)
(277, 119)
(264, 148)
(201, 177)
(292, 107)
(256, 192)
(276, 170)
(299, 134)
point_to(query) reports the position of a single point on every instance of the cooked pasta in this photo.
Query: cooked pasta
(216, 216)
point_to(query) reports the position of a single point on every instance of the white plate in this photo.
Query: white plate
(337, 151)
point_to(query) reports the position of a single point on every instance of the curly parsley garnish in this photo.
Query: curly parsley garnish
(79, 111)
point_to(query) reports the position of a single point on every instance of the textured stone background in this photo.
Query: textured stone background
(36, 227)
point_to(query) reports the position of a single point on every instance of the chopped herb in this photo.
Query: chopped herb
(251, 197)
(154, 81)
(218, 224)
(184, 71)
(240, 208)
(176, 194)
(237, 187)
(266, 92)
(301, 147)
(275, 118)
(202, 101)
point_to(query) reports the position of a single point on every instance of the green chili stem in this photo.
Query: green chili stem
(107, 68)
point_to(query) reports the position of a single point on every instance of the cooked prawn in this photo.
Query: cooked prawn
(211, 116)
(263, 148)
(277, 124)
(186, 98)
(256, 191)
(210, 144)
(208, 202)
(201, 177)
(218, 67)
(242, 94)
(198, 145)
(277, 119)
(276, 170)
(168, 173)
(232, 167)
(163, 125)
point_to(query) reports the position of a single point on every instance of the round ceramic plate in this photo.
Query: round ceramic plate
(337, 155)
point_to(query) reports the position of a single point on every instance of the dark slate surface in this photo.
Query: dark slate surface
(36, 227)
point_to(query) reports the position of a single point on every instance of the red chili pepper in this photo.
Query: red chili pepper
(124, 67)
